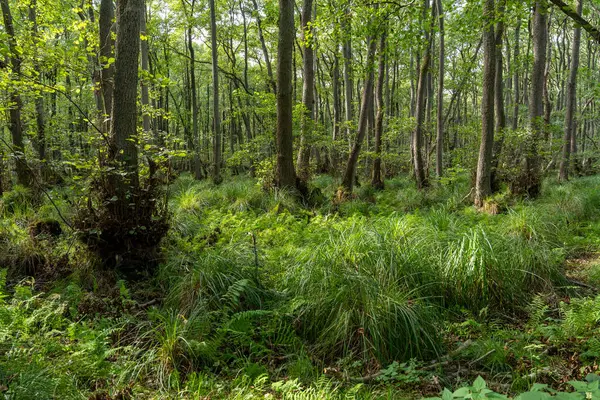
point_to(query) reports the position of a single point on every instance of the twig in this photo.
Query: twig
(482, 357)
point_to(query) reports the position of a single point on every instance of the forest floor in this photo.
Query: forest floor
(395, 294)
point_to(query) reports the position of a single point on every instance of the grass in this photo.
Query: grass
(258, 296)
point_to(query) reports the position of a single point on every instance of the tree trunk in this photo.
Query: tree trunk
(107, 14)
(350, 173)
(530, 181)
(216, 172)
(123, 132)
(308, 94)
(145, 97)
(498, 97)
(376, 180)
(439, 165)
(285, 173)
(569, 134)
(264, 48)
(417, 134)
(483, 180)
(15, 124)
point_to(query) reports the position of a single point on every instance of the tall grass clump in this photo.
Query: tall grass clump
(351, 296)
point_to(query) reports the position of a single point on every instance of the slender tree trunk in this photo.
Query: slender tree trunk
(483, 187)
(195, 142)
(417, 134)
(516, 94)
(216, 173)
(439, 164)
(348, 73)
(15, 124)
(376, 180)
(107, 14)
(264, 48)
(500, 112)
(285, 173)
(367, 96)
(308, 93)
(145, 97)
(569, 134)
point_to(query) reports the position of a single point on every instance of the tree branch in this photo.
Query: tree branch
(571, 13)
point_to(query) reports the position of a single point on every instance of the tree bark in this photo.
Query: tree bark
(376, 180)
(308, 94)
(569, 132)
(285, 173)
(15, 124)
(483, 180)
(265, 51)
(216, 172)
(107, 14)
(145, 96)
(439, 164)
(367, 95)
(123, 132)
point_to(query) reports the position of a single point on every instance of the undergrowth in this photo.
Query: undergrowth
(261, 297)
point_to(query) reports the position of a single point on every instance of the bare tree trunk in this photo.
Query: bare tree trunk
(530, 181)
(569, 135)
(367, 95)
(216, 173)
(376, 180)
(498, 97)
(516, 94)
(15, 125)
(483, 187)
(308, 94)
(107, 14)
(145, 97)
(439, 164)
(123, 132)
(285, 173)
(264, 48)
(348, 73)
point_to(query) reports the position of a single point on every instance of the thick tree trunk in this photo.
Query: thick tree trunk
(216, 172)
(569, 134)
(285, 173)
(15, 124)
(308, 93)
(516, 86)
(530, 181)
(376, 180)
(483, 187)
(367, 95)
(417, 134)
(123, 132)
(500, 112)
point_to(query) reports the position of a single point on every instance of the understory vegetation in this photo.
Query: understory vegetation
(393, 294)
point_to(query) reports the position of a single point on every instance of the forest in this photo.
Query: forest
(311, 199)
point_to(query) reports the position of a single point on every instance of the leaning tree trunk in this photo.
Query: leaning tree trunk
(15, 124)
(563, 174)
(308, 94)
(483, 187)
(216, 172)
(376, 180)
(285, 173)
(367, 95)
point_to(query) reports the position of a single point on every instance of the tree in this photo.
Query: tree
(483, 187)
(216, 173)
(285, 173)
(439, 162)
(365, 104)
(376, 180)
(569, 135)
(16, 106)
(308, 95)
